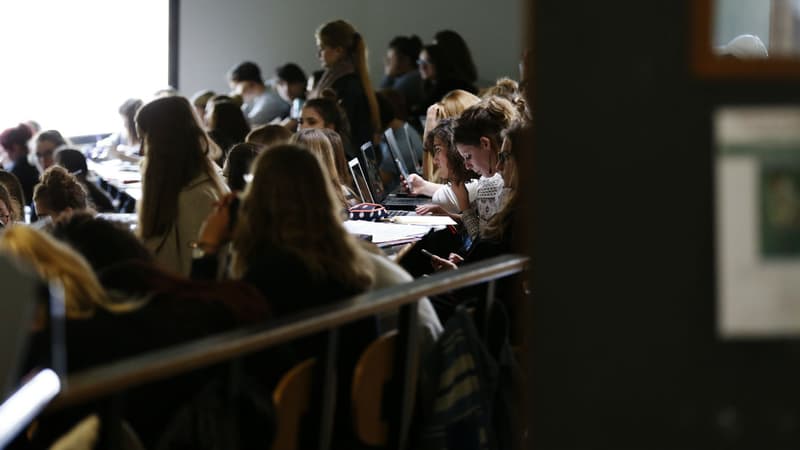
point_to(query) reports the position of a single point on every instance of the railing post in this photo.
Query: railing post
(487, 307)
(406, 366)
(329, 386)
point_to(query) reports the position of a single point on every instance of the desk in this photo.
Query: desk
(124, 176)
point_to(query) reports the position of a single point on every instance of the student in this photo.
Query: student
(53, 260)
(135, 309)
(238, 163)
(227, 126)
(343, 55)
(47, 143)
(59, 192)
(260, 105)
(451, 105)
(17, 198)
(401, 71)
(268, 135)
(341, 160)
(325, 112)
(179, 181)
(450, 165)
(497, 237)
(455, 46)
(291, 87)
(440, 75)
(477, 136)
(15, 142)
(75, 163)
(316, 141)
(289, 240)
(199, 101)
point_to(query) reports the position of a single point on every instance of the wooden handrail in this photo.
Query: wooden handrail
(120, 375)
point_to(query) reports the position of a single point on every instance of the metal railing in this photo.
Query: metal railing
(110, 379)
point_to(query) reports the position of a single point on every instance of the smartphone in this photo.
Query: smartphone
(427, 253)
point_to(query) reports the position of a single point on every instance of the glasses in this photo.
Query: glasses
(423, 62)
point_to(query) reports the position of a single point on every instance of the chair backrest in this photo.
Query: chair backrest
(373, 371)
(292, 400)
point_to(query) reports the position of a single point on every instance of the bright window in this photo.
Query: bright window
(69, 65)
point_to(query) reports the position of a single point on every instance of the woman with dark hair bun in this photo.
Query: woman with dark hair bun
(15, 142)
(441, 75)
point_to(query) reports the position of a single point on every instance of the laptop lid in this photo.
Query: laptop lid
(394, 149)
(372, 172)
(362, 186)
(415, 144)
(402, 144)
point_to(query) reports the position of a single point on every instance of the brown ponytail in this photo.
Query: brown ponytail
(360, 61)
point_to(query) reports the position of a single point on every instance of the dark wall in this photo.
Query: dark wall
(624, 352)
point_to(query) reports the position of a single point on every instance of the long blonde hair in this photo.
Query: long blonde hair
(177, 151)
(290, 205)
(54, 260)
(317, 142)
(339, 33)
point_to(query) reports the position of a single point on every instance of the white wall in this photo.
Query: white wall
(217, 34)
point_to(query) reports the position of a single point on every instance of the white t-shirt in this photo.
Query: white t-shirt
(446, 198)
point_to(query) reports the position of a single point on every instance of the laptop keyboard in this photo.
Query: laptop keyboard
(397, 212)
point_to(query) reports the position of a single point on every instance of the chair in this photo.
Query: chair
(373, 371)
(292, 401)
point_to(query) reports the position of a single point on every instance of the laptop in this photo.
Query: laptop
(406, 145)
(394, 200)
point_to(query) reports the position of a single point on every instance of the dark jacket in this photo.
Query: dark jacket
(28, 176)
(354, 102)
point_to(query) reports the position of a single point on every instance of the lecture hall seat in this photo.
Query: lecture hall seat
(373, 371)
(292, 400)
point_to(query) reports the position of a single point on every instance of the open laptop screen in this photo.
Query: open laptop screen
(360, 181)
(377, 188)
